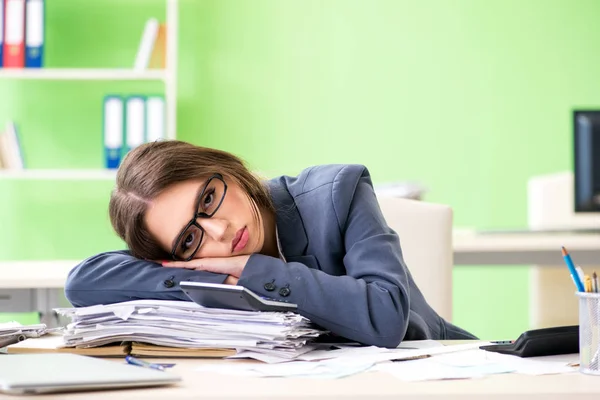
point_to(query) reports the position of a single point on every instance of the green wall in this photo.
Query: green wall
(470, 97)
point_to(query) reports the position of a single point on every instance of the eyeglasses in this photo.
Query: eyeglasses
(190, 239)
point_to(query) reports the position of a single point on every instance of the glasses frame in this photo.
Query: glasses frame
(194, 220)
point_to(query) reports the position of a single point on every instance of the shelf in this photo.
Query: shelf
(82, 74)
(59, 174)
(35, 274)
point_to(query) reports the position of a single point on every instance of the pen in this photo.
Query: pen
(141, 363)
(572, 270)
(595, 282)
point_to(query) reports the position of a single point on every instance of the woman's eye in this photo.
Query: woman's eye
(208, 199)
(189, 239)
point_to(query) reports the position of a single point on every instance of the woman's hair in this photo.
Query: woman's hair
(151, 168)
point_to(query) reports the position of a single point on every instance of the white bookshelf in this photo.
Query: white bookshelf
(93, 74)
(168, 76)
(42, 275)
(59, 174)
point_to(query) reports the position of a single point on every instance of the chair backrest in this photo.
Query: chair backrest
(551, 206)
(425, 232)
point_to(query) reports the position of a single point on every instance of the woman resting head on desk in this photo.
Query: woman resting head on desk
(318, 240)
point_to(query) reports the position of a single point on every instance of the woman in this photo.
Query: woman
(319, 240)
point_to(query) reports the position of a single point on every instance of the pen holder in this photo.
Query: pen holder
(589, 333)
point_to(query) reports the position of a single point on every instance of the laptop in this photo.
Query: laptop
(62, 372)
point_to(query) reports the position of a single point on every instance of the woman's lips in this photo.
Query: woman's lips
(240, 240)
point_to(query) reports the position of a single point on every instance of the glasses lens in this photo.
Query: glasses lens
(212, 197)
(189, 242)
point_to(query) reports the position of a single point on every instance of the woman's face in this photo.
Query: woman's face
(232, 230)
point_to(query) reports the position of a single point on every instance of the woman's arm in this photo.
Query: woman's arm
(371, 303)
(117, 276)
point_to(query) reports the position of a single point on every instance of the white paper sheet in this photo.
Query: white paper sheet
(296, 369)
(476, 364)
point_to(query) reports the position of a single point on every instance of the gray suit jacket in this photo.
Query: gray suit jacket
(343, 265)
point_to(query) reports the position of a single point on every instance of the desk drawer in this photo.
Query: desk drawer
(17, 300)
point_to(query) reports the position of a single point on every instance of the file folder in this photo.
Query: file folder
(135, 120)
(1, 32)
(155, 118)
(113, 130)
(34, 33)
(14, 34)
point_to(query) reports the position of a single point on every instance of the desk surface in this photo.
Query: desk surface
(369, 385)
(472, 248)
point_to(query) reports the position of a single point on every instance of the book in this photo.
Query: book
(159, 51)
(150, 350)
(149, 35)
(10, 148)
(55, 344)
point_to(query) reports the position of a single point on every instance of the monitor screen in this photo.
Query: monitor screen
(586, 129)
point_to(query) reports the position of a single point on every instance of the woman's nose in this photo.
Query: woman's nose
(215, 228)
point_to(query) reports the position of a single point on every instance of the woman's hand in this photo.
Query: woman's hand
(232, 266)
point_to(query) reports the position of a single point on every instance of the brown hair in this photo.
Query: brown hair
(152, 167)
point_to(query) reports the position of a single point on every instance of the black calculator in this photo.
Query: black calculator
(234, 297)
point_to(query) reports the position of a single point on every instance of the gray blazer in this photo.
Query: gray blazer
(343, 265)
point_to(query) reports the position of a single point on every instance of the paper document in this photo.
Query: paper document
(297, 369)
(476, 364)
(185, 324)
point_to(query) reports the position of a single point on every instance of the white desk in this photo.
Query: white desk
(471, 248)
(369, 385)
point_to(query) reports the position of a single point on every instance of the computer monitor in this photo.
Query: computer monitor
(586, 129)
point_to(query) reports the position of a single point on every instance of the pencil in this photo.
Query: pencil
(587, 283)
(594, 282)
(572, 270)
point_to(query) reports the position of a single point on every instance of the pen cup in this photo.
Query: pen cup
(589, 333)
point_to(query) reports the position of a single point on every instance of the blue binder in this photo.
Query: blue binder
(113, 127)
(1, 33)
(34, 33)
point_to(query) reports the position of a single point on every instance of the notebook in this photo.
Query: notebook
(55, 344)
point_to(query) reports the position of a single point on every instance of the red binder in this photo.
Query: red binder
(14, 34)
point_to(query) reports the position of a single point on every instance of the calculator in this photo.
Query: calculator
(235, 297)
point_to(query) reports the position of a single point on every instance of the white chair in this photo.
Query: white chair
(552, 300)
(425, 232)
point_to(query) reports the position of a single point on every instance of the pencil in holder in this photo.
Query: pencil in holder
(589, 333)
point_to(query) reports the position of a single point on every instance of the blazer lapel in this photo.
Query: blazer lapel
(290, 227)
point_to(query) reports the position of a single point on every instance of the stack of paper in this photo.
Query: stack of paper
(188, 325)
(13, 332)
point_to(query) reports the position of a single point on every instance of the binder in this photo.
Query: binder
(34, 33)
(1, 32)
(135, 121)
(155, 118)
(113, 130)
(14, 34)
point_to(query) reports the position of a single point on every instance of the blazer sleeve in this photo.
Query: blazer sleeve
(117, 276)
(370, 304)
